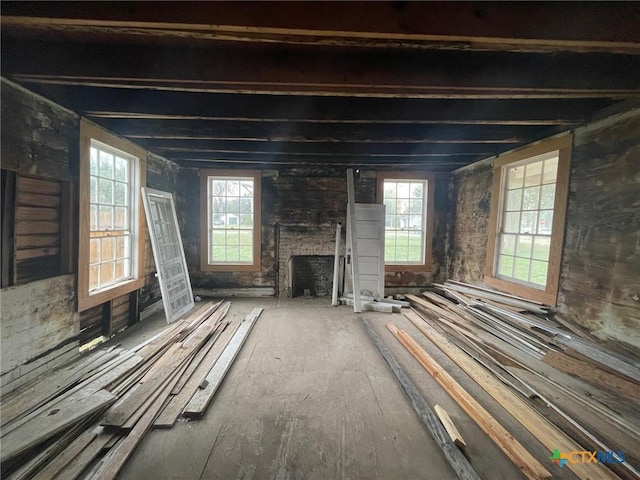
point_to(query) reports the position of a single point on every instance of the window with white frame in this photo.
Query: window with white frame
(407, 200)
(112, 219)
(231, 239)
(526, 225)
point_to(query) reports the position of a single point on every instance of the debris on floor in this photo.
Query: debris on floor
(86, 419)
(562, 384)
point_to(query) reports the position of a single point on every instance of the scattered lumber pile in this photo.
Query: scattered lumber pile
(560, 383)
(370, 302)
(87, 419)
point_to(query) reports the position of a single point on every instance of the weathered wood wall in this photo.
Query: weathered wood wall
(600, 271)
(40, 323)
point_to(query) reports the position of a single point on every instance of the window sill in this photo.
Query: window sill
(542, 296)
(98, 298)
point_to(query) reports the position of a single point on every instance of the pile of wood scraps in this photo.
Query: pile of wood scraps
(561, 384)
(375, 303)
(85, 420)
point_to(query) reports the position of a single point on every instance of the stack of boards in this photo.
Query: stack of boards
(563, 385)
(85, 420)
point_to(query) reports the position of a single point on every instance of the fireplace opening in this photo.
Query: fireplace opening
(311, 275)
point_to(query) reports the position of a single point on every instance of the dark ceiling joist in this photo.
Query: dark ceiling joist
(309, 132)
(145, 104)
(296, 70)
(514, 26)
(168, 147)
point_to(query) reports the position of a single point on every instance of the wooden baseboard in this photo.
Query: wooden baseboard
(235, 292)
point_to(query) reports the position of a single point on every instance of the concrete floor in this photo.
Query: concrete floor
(310, 397)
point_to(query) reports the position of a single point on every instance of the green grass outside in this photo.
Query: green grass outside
(231, 246)
(401, 251)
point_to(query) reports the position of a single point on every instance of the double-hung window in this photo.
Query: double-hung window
(230, 220)
(110, 249)
(527, 219)
(408, 220)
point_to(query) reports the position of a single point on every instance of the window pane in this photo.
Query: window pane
(389, 190)
(415, 253)
(122, 247)
(93, 187)
(528, 222)
(547, 197)
(93, 217)
(233, 237)
(122, 169)
(404, 190)
(508, 244)
(218, 254)
(94, 251)
(545, 223)
(550, 170)
(541, 246)
(120, 193)
(514, 199)
(107, 274)
(94, 277)
(233, 188)
(108, 249)
(105, 218)
(105, 191)
(245, 237)
(219, 188)
(523, 246)
(505, 265)
(246, 188)
(539, 272)
(515, 177)
(246, 253)
(512, 222)
(106, 165)
(417, 190)
(521, 269)
(533, 174)
(121, 220)
(415, 222)
(233, 254)
(530, 197)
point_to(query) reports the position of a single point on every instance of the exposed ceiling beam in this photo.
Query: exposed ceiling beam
(295, 70)
(514, 26)
(320, 148)
(287, 132)
(145, 104)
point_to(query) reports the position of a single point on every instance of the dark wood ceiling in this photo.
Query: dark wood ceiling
(413, 84)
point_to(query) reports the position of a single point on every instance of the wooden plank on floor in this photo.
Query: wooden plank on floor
(202, 397)
(519, 455)
(456, 459)
(592, 374)
(61, 416)
(177, 404)
(548, 434)
(450, 427)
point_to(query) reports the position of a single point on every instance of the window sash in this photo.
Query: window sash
(540, 150)
(230, 220)
(405, 221)
(527, 208)
(111, 241)
(89, 133)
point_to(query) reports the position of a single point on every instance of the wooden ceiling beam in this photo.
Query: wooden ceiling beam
(513, 26)
(145, 104)
(294, 70)
(309, 132)
(168, 147)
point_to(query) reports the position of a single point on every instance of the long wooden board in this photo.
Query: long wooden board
(456, 459)
(519, 455)
(177, 404)
(536, 424)
(64, 414)
(201, 399)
